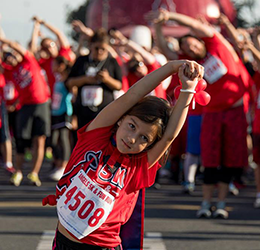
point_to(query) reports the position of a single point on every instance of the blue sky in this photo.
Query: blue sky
(16, 16)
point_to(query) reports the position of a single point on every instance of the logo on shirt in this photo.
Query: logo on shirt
(98, 171)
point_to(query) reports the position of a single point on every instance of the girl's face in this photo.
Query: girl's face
(133, 135)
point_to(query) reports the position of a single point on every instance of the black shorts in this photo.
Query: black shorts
(60, 242)
(33, 120)
(222, 174)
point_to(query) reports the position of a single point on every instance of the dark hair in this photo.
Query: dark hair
(46, 39)
(62, 60)
(181, 39)
(100, 36)
(154, 110)
(133, 64)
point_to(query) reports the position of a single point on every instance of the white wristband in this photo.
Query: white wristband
(187, 91)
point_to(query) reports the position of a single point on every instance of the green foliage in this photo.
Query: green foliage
(77, 14)
(247, 13)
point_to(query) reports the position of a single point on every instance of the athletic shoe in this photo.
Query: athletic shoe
(257, 203)
(205, 210)
(220, 211)
(233, 190)
(16, 179)
(188, 188)
(34, 179)
(10, 170)
(57, 174)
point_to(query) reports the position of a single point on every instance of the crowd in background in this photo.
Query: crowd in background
(50, 89)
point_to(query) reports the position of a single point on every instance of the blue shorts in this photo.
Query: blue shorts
(193, 134)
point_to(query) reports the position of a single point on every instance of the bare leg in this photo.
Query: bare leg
(222, 191)
(207, 191)
(38, 153)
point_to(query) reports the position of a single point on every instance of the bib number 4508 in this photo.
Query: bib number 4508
(84, 209)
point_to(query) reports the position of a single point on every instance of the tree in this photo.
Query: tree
(247, 13)
(77, 14)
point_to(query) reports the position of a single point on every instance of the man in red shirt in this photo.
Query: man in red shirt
(33, 121)
(224, 126)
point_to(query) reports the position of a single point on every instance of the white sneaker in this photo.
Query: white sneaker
(220, 211)
(57, 174)
(233, 190)
(257, 203)
(205, 210)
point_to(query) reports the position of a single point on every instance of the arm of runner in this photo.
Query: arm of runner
(35, 34)
(115, 110)
(14, 45)
(63, 41)
(189, 74)
(198, 28)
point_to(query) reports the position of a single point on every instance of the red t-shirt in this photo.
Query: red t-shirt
(29, 81)
(158, 91)
(225, 77)
(2, 84)
(46, 64)
(11, 94)
(132, 174)
(256, 122)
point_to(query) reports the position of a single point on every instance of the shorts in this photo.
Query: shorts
(33, 120)
(223, 138)
(220, 174)
(256, 148)
(4, 130)
(193, 134)
(60, 242)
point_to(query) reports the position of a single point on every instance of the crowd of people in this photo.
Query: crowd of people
(50, 90)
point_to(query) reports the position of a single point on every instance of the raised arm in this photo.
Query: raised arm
(189, 74)
(14, 45)
(115, 110)
(63, 41)
(199, 29)
(146, 55)
(34, 39)
(80, 28)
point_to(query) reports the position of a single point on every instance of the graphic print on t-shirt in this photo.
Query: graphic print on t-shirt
(98, 172)
(214, 68)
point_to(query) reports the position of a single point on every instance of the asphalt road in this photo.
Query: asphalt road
(170, 221)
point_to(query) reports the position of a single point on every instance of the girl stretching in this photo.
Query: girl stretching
(116, 155)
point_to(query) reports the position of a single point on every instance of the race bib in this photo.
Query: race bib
(56, 101)
(84, 207)
(214, 69)
(9, 91)
(91, 96)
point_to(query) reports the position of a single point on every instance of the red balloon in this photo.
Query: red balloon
(202, 84)
(177, 92)
(202, 98)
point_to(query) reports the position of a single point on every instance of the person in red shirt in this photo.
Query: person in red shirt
(223, 142)
(33, 121)
(5, 138)
(116, 155)
(50, 49)
(256, 119)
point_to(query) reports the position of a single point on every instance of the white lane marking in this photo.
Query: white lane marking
(152, 241)
(46, 240)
